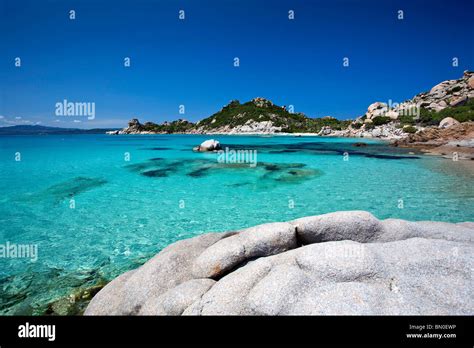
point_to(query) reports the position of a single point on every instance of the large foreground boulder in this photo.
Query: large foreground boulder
(338, 263)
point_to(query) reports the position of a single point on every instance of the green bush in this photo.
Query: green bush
(369, 126)
(409, 129)
(455, 89)
(406, 120)
(429, 118)
(356, 125)
(462, 113)
(380, 120)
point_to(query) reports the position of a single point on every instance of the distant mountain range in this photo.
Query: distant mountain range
(38, 130)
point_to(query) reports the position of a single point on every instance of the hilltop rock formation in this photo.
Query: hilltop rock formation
(450, 93)
(344, 263)
(440, 106)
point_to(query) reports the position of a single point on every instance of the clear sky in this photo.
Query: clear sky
(190, 62)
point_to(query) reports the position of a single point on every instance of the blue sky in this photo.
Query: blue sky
(291, 62)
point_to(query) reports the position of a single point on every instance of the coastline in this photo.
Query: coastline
(466, 153)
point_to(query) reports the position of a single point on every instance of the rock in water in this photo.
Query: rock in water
(343, 263)
(208, 145)
(448, 122)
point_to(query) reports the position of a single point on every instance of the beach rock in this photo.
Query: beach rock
(376, 109)
(471, 82)
(126, 294)
(458, 101)
(113, 132)
(343, 263)
(359, 145)
(448, 122)
(325, 130)
(255, 127)
(359, 226)
(208, 145)
(410, 277)
(177, 299)
(228, 253)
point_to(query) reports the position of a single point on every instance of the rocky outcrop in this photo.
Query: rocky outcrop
(376, 109)
(134, 127)
(386, 131)
(339, 263)
(447, 93)
(249, 127)
(382, 120)
(261, 116)
(450, 93)
(448, 122)
(456, 140)
(261, 102)
(440, 135)
(208, 145)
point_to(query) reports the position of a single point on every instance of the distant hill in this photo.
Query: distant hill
(256, 116)
(261, 115)
(34, 130)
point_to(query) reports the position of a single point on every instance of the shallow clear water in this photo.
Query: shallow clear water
(126, 211)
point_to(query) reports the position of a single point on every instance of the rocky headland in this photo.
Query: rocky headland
(438, 121)
(344, 263)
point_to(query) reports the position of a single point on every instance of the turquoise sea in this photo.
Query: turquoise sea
(93, 214)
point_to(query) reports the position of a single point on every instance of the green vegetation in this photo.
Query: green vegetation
(178, 126)
(461, 113)
(236, 114)
(455, 89)
(380, 120)
(432, 118)
(409, 129)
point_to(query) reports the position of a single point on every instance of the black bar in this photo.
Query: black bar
(243, 330)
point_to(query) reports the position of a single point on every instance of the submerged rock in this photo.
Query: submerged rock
(359, 145)
(340, 263)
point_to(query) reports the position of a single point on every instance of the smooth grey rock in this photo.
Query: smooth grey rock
(358, 226)
(228, 253)
(410, 277)
(344, 263)
(395, 229)
(209, 145)
(166, 270)
(448, 122)
(176, 300)
(106, 301)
